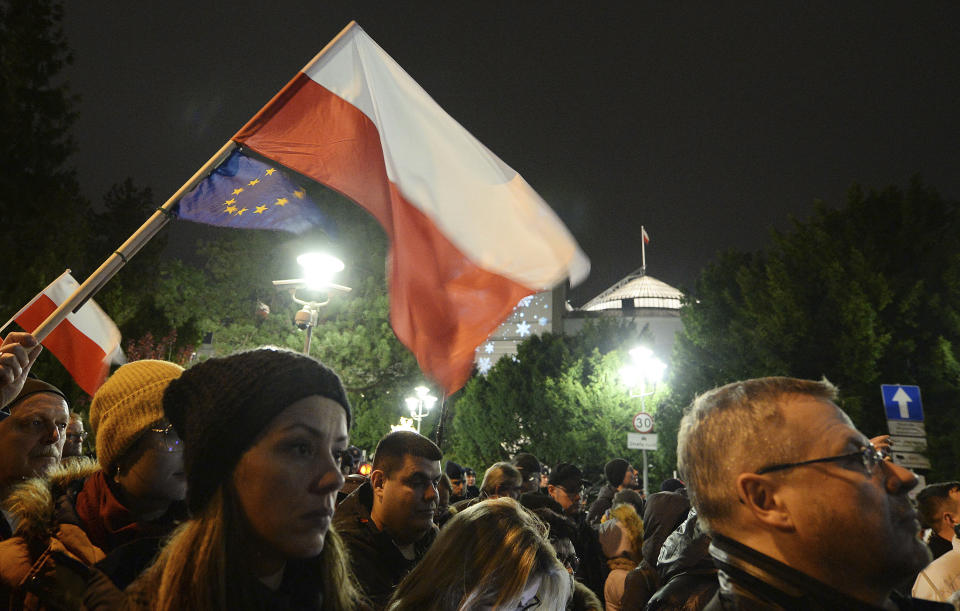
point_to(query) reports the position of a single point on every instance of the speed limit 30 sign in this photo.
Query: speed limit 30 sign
(643, 422)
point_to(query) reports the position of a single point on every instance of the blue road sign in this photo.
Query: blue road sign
(902, 402)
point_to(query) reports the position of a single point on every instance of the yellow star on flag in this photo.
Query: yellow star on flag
(260, 209)
(238, 191)
(241, 211)
(281, 202)
(230, 201)
(299, 193)
(230, 209)
(270, 171)
(254, 182)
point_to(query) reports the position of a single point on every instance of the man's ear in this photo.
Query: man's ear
(377, 480)
(764, 499)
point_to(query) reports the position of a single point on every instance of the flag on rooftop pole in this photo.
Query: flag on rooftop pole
(85, 343)
(469, 237)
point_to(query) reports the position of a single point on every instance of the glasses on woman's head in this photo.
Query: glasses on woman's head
(533, 603)
(869, 455)
(165, 438)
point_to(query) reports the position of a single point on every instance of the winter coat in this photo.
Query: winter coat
(687, 573)
(601, 505)
(752, 581)
(37, 564)
(376, 561)
(941, 578)
(620, 539)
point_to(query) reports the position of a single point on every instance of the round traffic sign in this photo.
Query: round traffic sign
(643, 422)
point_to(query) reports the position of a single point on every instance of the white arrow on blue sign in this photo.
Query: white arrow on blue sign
(902, 402)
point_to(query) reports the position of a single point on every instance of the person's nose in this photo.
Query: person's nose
(330, 478)
(54, 434)
(431, 492)
(899, 480)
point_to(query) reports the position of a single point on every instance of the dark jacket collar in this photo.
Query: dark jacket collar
(751, 580)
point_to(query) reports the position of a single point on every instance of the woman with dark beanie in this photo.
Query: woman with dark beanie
(263, 432)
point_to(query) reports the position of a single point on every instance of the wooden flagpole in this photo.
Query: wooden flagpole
(153, 225)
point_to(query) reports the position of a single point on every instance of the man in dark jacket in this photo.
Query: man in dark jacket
(387, 523)
(620, 475)
(565, 487)
(780, 479)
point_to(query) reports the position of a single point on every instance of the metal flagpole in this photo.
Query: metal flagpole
(128, 249)
(643, 250)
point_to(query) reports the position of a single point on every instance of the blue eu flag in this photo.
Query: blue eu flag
(246, 193)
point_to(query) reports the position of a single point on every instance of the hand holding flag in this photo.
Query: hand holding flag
(85, 343)
(17, 354)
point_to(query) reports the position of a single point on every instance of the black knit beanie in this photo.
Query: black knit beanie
(616, 470)
(221, 405)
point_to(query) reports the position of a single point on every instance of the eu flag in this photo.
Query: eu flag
(246, 193)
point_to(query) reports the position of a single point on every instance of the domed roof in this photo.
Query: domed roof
(645, 291)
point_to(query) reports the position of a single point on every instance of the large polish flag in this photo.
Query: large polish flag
(469, 237)
(85, 343)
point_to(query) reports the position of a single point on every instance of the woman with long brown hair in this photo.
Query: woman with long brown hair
(263, 433)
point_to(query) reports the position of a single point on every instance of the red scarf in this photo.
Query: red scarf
(109, 524)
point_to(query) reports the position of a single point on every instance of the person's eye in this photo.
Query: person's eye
(62, 427)
(300, 449)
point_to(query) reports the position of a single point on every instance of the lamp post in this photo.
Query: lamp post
(644, 370)
(420, 404)
(318, 271)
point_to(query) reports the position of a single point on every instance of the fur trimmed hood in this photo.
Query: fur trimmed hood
(33, 503)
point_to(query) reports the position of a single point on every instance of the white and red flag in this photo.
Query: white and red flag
(646, 236)
(469, 237)
(85, 343)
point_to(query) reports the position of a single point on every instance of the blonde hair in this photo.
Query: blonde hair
(485, 554)
(735, 429)
(204, 565)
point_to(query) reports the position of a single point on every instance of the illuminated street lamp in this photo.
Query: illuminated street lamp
(318, 272)
(644, 371)
(421, 404)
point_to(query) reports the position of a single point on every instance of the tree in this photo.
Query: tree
(862, 295)
(560, 399)
(35, 147)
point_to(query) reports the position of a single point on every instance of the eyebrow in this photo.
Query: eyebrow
(313, 431)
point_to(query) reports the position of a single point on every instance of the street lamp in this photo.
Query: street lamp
(318, 271)
(421, 404)
(644, 370)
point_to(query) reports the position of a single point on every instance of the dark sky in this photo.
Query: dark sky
(706, 122)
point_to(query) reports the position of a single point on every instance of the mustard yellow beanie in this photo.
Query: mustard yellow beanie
(128, 402)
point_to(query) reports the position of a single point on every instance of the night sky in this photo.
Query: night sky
(709, 123)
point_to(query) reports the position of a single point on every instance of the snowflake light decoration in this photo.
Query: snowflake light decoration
(484, 364)
(523, 329)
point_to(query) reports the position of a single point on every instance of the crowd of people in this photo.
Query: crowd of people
(223, 487)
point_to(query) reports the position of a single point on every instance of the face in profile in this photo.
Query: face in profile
(32, 438)
(152, 470)
(287, 482)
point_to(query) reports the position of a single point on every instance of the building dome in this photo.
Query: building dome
(636, 291)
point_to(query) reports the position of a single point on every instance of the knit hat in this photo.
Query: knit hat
(129, 402)
(453, 470)
(220, 406)
(31, 387)
(616, 470)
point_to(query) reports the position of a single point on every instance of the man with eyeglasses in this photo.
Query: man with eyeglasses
(75, 436)
(565, 486)
(804, 512)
